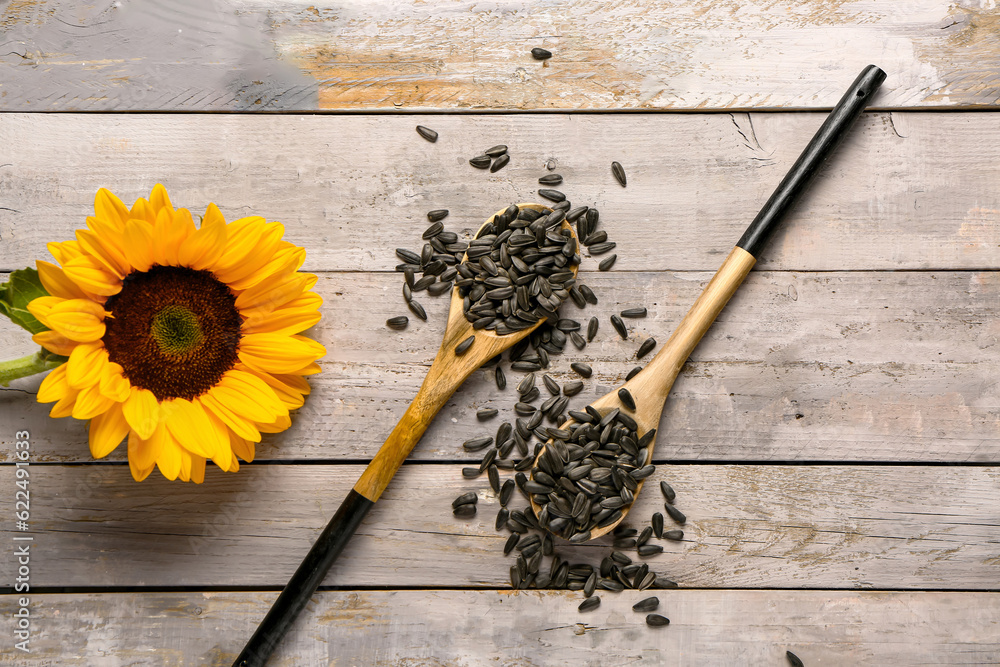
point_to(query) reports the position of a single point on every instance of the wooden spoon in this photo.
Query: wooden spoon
(651, 386)
(446, 375)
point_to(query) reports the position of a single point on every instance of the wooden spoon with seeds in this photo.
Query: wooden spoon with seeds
(456, 360)
(650, 387)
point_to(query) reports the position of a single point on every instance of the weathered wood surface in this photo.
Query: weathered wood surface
(852, 366)
(866, 527)
(905, 191)
(528, 629)
(632, 54)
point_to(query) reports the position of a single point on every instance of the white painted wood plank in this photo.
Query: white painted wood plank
(905, 191)
(853, 366)
(846, 527)
(468, 628)
(443, 54)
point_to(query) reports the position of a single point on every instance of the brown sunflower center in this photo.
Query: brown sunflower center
(174, 330)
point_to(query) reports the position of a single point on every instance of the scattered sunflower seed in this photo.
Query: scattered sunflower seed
(500, 378)
(619, 326)
(793, 659)
(650, 550)
(632, 373)
(657, 524)
(601, 248)
(649, 604)
(427, 133)
(551, 385)
(486, 413)
(399, 322)
(465, 499)
(511, 543)
(526, 383)
(593, 602)
(634, 312)
(496, 151)
(655, 620)
(437, 214)
(676, 535)
(476, 444)
(582, 369)
(668, 492)
(619, 173)
(505, 491)
(625, 396)
(464, 346)
(552, 195)
(572, 388)
(607, 263)
(675, 513)
(550, 179)
(467, 510)
(481, 161)
(417, 309)
(647, 532)
(540, 54)
(499, 163)
(646, 347)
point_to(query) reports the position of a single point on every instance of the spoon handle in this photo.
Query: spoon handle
(664, 367)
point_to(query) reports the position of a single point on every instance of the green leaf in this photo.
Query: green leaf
(15, 295)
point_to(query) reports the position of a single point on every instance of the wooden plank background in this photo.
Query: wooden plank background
(457, 55)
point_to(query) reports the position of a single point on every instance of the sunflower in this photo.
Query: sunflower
(185, 340)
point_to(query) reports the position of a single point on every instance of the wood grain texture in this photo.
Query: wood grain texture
(461, 55)
(471, 628)
(843, 527)
(854, 366)
(905, 191)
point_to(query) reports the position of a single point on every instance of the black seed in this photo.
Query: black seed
(676, 535)
(646, 347)
(590, 603)
(469, 473)
(658, 525)
(476, 444)
(500, 378)
(511, 543)
(607, 263)
(626, 398)
(486, 413)
(417, 309)
(526, 383)
(663, 582)
(552, 195)
(550, 179)
(496, 151)
(647, 532)
(675, 513)
(408, 256)
(582, 369)
(481, 162)
(655, 620)
(576, 213)
(540, 54)
(551, 385)
(424, 283)
(595, 237)
(650, 550)
(437, 214)
(647, 580)
(580, 537)
(578, 341)
(399, 322)
(464, 346)
(649, 604)
(437, 289)
(572, 388)
(632, 373)
(502, 516)
(499, 163)
(668, 492)
(427, 133)
(634, 312)
(526, 366)
(619, 173)
(465, 510)
(793, 659)
(619, 326)
(505, 491)
(601, 248)
(530, 395)
(493, 473)
(624, 543)
(465, 499)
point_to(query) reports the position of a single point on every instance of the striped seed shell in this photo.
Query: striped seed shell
(632, 373)
(464, 346)
(619, 326)
(417, 309)
(499, 163)
(676, 535)
(480, 161)
(650, 550)
(668, 492)
(646, 347)
(398, 322)
(496, 151)
(793, 659)
(657, 524)
(655, 620)
(550, 179)
(625, 396)
(618, 172)
(582, 369)
(427, 133)
(437, 214)
(540, 54)
(601, 248)
(486, 413)
(607, 263)
(634, 312)
(649, 604)
(572, 388)
(552, 195)
(500, 378)
(592, 602)
(465, 499)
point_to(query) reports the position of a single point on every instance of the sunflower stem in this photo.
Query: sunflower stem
(37, 362)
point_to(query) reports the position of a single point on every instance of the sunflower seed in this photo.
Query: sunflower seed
(427, 133)
(465, 499)
(619, 326)
(540, 54)
(502, 516)
(601, 248)
(655, 620)
(486, 413)
(582, 369)
(505, 492)
(476, 444)
(417, 309)
(657, 524)
(437, 289)
(572, 388)
(530, 395)
(511, 543)
(550, 179)
(408, 256)
(650, 550)
(675, 535)
(526, 384)
(469, 473)
(663, 582)
(632, 373)
(611, 585)
(624, 543)
(607, 263)
(496, 151)
(675, 513)
(668, 492)
(595, 237)
(592, 602)
(625, 396)
(464, 346)
(437, 214)
(552, 195)
(646, 347)
(398, 322)
(424, 283)
(551, 385)
(499, 163)
(528, 366)
(647, 532)
(649, 604)
(465, 511)
(480, 161)
(500, 378)
(619, 173)
(793, 659)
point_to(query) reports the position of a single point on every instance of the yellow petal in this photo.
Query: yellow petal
(55, 342)
(64, 406)
(110, 208)
(197, 469)
(272, 294)
(244, 428)
(290, 397)
(310, 369)
(90, 403)
(284, 321)
(240, 261)
(284, 261)
(86, 364)
(248, 396)
(242, 237)
(107, 431)
(190, 427)
(204, 247)
(143, 452)
(54, 387)
(159, 199)
(185, 473)
(277, 426)
(100, 244)
(142, 210)
(81, 320)
(142, 411)
(65, 251)
(56, 283)
(139, 474)
(170, 231)
(242, 447)
(223, 456)
(91, 276)
(138, 244)
(169, 458)
(276, 353)
(114, 384)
